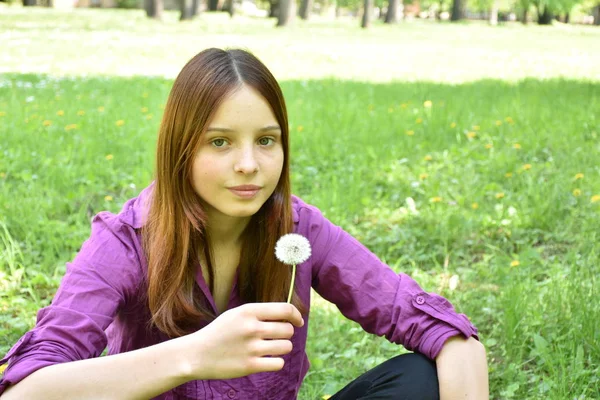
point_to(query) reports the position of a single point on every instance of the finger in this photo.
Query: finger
(278, 312)
(267, 364)
(273, 347)
(275, 330)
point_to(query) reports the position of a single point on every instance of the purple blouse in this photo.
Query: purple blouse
(96, 305)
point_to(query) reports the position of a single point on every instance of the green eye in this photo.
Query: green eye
(268, 141)
(216, 141)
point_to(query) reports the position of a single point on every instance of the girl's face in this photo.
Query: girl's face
(242, 146)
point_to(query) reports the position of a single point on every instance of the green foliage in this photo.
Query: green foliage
(128, 4)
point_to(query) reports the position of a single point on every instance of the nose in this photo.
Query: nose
(246, 163)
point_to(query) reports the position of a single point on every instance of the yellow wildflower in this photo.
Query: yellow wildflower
(2, 175)
(499, 195)
(300, 128)
(108, 198)
(509, 120)
(403, 106)
(453, 125)
(577, 192)
(595, 198)
(427, 104)
(517, 146)
(47, 123)
(435, 199)
(390, 110)
(489, 146)
(80, 113)
(498, 123)
(109, 157)
(476, 127)
(120, 123)
(475, 206)
(471, 135)
(371, 107)
(101, 109)
(423, 176)
(145, 94)
(515, 263)
(427, 158)
(508, 174)
(419, 120)
(410, 133)
(325, 397)
(578, 176)
(70, 127)
(60, 113)
(3, 367)
(149, 116)
(527, 167)
(144, 110)
(2, 113)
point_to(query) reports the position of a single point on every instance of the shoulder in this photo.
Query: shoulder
(303, 212)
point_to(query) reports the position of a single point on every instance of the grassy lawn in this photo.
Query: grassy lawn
(500, 163)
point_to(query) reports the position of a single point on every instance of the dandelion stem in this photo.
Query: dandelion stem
(292, 285)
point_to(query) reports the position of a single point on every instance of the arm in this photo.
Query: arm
(462, 370)
(138, 374)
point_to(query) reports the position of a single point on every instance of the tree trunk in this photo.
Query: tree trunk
(457, 11)
(596, 14)
(391, 17)
(525, 16)
(29, 3)
(196, 7)
(229, 7)
(567, 18)
(545, 18)
(154, 8)
(213, 5)
(494, 13)
(273, 8)
(185, 8)
(287, 11)
(368, 10)
(305, 9)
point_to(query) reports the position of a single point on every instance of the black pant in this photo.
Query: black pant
(405, 377)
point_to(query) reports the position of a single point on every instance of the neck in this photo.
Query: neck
(226, 233)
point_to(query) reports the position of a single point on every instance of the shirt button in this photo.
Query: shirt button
(231, 393)
(420, 300)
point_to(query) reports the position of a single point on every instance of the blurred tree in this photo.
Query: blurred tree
(391, 16)
(457, 11)
(367, 11)
(215, 5)
(305, 9)
(229, 6)
(287, 11)
(154, 8)
(29, 3)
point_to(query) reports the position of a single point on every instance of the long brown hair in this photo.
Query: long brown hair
(175, 229)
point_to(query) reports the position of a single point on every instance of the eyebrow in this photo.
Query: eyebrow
(227, 130)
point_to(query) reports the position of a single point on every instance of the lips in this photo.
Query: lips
(250, 188)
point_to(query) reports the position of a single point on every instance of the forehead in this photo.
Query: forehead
(244, 107)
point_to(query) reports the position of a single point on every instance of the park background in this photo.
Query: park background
(464, 154)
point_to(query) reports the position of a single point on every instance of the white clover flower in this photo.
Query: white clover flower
(292, 249)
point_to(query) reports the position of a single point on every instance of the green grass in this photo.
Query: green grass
(352, 157)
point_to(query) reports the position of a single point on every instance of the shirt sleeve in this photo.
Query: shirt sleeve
(369, 292)
(96, 284)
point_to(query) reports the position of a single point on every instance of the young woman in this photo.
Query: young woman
(184, 288)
